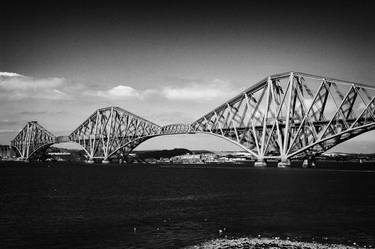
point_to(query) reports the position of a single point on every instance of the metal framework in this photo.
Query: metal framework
(281, 117)
(293, 115)
(175, 129)
(111, 130)
(31, 139)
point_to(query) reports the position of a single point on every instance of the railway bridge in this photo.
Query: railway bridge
(281, 117)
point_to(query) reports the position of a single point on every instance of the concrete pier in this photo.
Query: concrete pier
(260, 163)
(90, 161)
(307, 163)
(105, 161)
(284, 163)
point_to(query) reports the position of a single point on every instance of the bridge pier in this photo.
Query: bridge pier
(90, 161)
(23, 159)
(308, 163)
(284, 163)
(260, 163)
(105, 161)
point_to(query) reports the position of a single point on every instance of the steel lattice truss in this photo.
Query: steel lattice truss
(175, 129)
(31, 139)
(293, 114)
(111, 130)
(283, 116)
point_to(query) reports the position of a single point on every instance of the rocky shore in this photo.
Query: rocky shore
(266, 243)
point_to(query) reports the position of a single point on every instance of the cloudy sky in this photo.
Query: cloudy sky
(168, 62)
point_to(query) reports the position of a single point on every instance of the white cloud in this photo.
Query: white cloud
(7, 74)
(198, 91)
(205, 91)
(122, 91)
(59, 93)
(116, 92)
(16, 86)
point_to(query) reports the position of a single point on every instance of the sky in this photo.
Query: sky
(169, 62)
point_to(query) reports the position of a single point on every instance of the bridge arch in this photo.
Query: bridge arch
(135, 143)
(40, 151)
(33, 153)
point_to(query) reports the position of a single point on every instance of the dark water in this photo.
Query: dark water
(85, 206)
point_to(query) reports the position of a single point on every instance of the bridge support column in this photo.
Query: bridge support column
(260, 163)
(284, 163)
(105, 161)
(307, 163)
(90, 161)
(23, 159)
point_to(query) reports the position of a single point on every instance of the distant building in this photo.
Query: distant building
(164, 160)
(187, 159)
(59, 153)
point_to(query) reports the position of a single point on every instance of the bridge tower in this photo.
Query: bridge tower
(33, 138)
(112, 130)
(292, 115)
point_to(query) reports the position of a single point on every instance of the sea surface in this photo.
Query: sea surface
(65, 205)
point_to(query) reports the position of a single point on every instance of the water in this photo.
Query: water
(87, 206)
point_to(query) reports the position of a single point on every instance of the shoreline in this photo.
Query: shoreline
(296, 165)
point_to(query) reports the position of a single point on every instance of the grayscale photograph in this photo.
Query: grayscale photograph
(187, 124)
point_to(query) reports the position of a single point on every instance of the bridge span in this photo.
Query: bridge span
(281, 117)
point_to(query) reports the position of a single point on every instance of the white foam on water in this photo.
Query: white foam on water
(266, 243)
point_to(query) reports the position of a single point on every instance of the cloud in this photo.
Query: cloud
(120, 91)
(116, 92)
(7, 74)
(7, 126)
(189, 90)
(171, 117)
(17, 86)
(202, 91)
(7, 122)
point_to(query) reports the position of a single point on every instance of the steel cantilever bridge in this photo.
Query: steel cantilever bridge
(281, 117)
